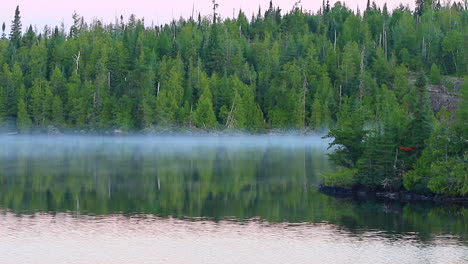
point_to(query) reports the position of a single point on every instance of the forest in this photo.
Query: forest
(361, 76)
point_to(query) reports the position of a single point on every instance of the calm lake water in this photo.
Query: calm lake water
(202, 200)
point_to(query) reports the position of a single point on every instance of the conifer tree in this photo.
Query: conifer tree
(9, 91)
(420, 127)
(348, 136)
(204, 116)
(57, 111)
(3, 31)
(15, 31)
(74, 99)
(23, 122)
(37, 102)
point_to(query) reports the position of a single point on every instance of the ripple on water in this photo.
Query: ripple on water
(63, 238)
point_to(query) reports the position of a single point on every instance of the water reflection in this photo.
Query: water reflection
(237, 178)
(148, 239)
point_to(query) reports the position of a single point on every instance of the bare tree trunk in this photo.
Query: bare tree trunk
(191, 111)
(396, 159)
(334, 44)
(340, 96)
(361, 79)
(77, 61)
(230, 117)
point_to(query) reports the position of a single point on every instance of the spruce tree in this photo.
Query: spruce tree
(8, 81)
(348, 136)
(420, 127)
(204, 116)
(37, 102)
(23, 122)
(15, 31)
(58, 117)
(3, 31)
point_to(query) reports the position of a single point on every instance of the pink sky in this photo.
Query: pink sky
(53, 12)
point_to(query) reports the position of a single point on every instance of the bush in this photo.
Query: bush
(449, 177)
(344, 177)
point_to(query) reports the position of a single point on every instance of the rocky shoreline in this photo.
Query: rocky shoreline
(362, 193)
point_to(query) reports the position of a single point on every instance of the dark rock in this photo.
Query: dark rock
(363, 193)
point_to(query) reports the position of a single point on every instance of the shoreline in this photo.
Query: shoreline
(366, 194)
(54, 131)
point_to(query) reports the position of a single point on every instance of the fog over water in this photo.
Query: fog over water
(203, 199)
(151, 143)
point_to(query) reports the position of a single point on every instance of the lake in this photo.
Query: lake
(180, 199)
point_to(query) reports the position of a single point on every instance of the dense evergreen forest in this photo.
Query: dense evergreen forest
(361, 75)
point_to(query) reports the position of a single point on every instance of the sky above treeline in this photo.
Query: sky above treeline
(53, 12)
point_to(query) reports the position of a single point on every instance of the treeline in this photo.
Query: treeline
(273, 71)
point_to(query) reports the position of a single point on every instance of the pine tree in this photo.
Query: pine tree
(420, 127)
(58, 83)
(58, 117)
(15, 31)
(166, 108)
(348, 136)
(322, 103)
(48, 104)
(73, 103)
(3, 31)
(316, 121)
(204, 116)
(9, 92)
(37, 102)
(244, 113)
(23, 122)
(123, 114)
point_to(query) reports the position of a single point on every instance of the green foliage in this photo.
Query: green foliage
(123, 114)
(23, 122)
(452, 46)
(344, 177)
(435, 77)
(37, 103)
(442, 168)
(245, 113)
(381, 160)
(348, 136)
(57, 116)
(204, 116)
(15, 31)
(449, 177)
(321, 106)
(420, 127)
